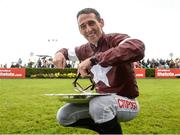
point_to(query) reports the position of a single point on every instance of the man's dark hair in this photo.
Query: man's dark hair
(88, 11)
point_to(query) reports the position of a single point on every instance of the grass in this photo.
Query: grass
(25, 110)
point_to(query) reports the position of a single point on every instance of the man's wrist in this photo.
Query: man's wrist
(94, 61)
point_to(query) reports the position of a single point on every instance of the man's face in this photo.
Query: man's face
(90, 27)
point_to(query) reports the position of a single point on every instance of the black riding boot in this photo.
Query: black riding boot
(111, 127)
(86, 123)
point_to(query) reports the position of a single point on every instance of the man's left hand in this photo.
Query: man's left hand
(84, 67)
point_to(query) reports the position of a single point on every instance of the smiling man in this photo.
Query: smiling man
(109, 60)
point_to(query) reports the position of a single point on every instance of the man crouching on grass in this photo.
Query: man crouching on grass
(109, 59)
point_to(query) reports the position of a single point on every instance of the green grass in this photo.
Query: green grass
(25, 110)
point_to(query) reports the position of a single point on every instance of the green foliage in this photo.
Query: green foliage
(55, 75)
(150, 72)
(24, 109)
(64, 73)
(51, 72)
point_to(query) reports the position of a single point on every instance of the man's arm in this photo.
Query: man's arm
(59, 60)
(127, 51)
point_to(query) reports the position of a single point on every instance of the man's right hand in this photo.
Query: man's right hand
(59, 60)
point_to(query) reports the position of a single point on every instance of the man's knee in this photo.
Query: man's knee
(70, 113)
(60, 117)
(63, 118)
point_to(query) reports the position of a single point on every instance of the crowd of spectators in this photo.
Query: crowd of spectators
(48, 63)
(42, 63)
(158, 63)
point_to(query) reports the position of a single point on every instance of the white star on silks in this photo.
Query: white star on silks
(100, 74)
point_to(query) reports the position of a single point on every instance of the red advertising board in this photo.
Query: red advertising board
(140, 72)
(12, 72)
(167, 73)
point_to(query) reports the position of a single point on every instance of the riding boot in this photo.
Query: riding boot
(86, 123)
(111, 127)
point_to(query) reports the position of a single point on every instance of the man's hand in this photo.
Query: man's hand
(59, 60)
(84, 67)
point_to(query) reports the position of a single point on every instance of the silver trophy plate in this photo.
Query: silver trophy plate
(77, 98)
